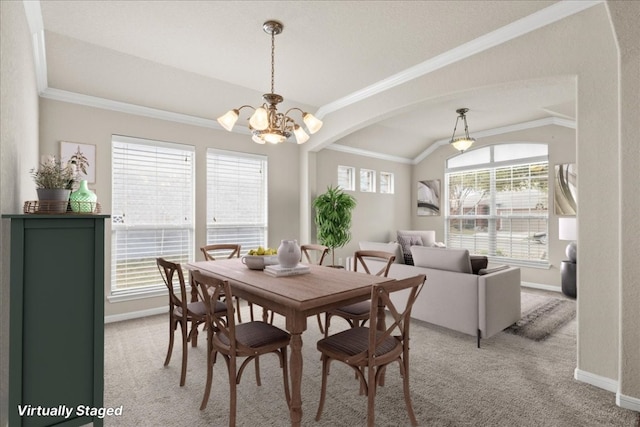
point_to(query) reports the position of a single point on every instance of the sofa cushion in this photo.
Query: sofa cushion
(478, 262)
(442, 259)
(392, 247)
(406, 241)
(428, 236)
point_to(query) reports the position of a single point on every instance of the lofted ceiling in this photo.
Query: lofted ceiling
(201, 58)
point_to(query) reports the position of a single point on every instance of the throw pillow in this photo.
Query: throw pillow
(406, 241)
(478, 262)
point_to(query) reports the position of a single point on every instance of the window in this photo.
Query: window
(367, 180)
(386, 183)
(152, 210)
(236, 199)
(347, 178)
(498, 200)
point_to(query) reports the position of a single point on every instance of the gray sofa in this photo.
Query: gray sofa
(479, 304)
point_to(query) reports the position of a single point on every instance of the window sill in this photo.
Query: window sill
(542, 265)
(130, 295)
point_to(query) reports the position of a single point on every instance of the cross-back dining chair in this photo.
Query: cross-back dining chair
(368, 351)
(357, 314)
(226, 251)
(181, 312)
(232, 341)
(314, 254)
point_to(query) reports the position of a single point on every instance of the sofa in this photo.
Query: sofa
(480, 300)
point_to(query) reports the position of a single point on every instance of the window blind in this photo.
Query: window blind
(152, 209)
(500, 211)
(237, 199)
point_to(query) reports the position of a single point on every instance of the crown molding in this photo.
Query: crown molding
(127, 108)
(539, 19)
(547, 121)
(367, 153)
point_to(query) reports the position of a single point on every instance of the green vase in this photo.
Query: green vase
(83, 200)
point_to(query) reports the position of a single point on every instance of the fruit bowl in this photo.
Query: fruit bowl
(259, 262)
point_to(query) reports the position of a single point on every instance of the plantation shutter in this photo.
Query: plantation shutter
(236, 199)
(152, 209)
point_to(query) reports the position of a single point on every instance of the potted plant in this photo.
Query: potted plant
(54, 182)
(333, 219)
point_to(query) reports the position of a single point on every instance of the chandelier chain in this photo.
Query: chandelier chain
(273, 54)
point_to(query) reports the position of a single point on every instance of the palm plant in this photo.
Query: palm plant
(333, 218)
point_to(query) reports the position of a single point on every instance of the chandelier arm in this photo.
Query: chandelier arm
(454, 129)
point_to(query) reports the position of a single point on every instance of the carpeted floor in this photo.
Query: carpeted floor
(510, 381)
(542, 316)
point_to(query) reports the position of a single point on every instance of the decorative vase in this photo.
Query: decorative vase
(52, 200)
(288, 253)
(83, 199)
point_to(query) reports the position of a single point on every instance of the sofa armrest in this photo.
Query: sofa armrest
(499, 300)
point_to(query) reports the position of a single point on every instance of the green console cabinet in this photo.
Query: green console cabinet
(56, 354)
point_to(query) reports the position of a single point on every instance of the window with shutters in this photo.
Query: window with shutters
(236, 199)
(497, 204)
(152, 211)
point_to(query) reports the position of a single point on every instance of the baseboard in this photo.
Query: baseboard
(135, 314)
(628, 402)
(596, 380)
(541, 286)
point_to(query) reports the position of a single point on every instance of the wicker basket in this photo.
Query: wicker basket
(56, 207)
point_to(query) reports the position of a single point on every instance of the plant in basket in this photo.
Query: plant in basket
(54, 182)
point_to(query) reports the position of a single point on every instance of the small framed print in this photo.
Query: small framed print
(81, 155)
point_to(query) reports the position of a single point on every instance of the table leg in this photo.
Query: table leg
(295, 366)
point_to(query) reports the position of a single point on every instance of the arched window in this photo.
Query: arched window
(497, 204)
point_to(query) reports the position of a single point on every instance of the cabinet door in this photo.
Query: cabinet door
(60, 333)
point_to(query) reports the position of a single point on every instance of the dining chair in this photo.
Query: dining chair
(314, 254)
(182, 312)
(368, 351)
(357, 314)
(249, 340)
(225, 251)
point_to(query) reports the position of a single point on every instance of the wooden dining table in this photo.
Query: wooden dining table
(296, 298)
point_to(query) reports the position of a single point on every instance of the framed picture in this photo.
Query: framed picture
(566, 189)
(429, 197)
(81, 155)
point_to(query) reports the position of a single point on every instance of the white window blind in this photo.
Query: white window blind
(386, 183)
(237, 199)
(347, 178)
(500, 209)
(367, 180)
(152, 210)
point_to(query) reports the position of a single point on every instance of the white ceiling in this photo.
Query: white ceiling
(329, 51)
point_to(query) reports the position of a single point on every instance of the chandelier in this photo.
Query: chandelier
(464, 142)
(266, 123)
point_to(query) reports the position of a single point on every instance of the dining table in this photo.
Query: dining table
(296, 297)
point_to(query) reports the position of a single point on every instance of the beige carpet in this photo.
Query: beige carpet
(510, 381)
(542, 316)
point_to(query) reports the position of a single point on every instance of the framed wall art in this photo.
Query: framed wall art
(83, 156)
(429, 197)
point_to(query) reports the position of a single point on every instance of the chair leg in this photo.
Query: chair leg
(320, 324)
(172, 328)
(371, 395)
(238, 309)
(185, 349)
(404, 368)
(207, 388)
(257, 363)
(285, 375)
(323, 387)
(232, 391)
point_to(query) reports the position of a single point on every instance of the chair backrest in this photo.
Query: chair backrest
(221, 250)
(320, 251)
(401, 320)
(361, 257)
(223, 323)
(169, 272)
